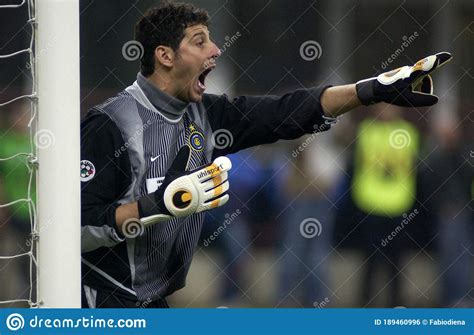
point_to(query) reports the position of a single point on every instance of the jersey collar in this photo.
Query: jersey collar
(171, 107)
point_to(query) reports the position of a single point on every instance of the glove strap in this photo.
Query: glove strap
(150, 211)
(365, 91)
(148, 206)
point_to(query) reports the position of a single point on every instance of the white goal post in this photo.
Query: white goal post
(57, 141)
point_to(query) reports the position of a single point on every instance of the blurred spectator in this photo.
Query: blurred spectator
(307, 224)
(447, 180)
(383, 186)
(231, 225)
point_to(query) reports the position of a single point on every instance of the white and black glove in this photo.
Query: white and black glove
(183, 193)
(408, 86)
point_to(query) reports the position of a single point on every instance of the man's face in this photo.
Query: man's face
(195, 59)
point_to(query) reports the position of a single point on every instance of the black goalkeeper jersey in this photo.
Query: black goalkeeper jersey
(127, 145)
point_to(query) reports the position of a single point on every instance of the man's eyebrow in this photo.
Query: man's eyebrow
(198, 33)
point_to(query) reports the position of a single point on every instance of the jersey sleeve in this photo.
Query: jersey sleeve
(105, 177)
(255, 120)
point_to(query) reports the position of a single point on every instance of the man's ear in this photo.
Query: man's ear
(165, 55)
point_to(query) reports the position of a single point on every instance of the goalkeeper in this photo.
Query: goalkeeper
(149, 168)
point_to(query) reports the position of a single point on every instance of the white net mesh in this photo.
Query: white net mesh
(27, 158)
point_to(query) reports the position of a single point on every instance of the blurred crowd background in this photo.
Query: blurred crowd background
(376, 212)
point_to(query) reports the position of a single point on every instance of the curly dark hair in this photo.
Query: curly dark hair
(165, 25)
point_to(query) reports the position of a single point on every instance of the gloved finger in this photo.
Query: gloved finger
(217, 191)
(180, 163)
(425, 85)
(419, 99)
(388, 78)
(223, 162)
(220, 164)
(214, 182)
(429, 64)
(443, 58)
(218, 202)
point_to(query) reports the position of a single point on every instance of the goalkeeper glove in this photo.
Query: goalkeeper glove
(409, 86)
(186, 192)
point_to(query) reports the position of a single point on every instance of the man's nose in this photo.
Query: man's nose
(215, 52)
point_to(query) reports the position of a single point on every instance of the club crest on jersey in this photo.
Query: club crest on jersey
(87, 170)
(196, 138)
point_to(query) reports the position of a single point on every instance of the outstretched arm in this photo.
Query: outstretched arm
(248, 121)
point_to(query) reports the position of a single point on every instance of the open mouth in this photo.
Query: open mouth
(202, 78)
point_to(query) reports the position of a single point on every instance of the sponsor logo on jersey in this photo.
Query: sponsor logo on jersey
(155, 158)
(152, 184)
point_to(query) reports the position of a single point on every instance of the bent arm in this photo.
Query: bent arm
(125, 212)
